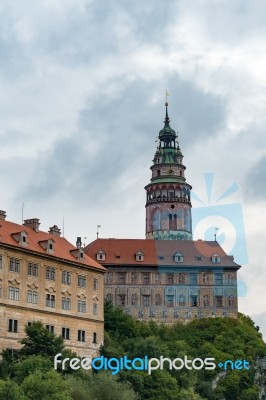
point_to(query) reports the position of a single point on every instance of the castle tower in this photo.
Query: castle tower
(168, 206)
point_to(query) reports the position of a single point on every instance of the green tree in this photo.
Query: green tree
(31, 364)
(46, 386)
(39, 341)
(101, 386)
(9, 390)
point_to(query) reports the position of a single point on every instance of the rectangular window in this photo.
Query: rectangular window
(81, 336)
(50, 328)
(146, 278)
(219, 301)
(0, 291)
(193, 300)
(81, 306)
(121, 299)
(32, 269)
(66, 333)
(50, 273)
(12, 325)
(50, 300)
(13, 293)
(32, 297)
(122, 278)
(193, 279)
(82, 281)
(66, 277)
(146, 300)
(1, 262)
(95, 309)
(218, 279)
(158, 278)
(170, 279)
(95, 284)
(14, 265)
(170, 301)
(66, 303)
(94, 340)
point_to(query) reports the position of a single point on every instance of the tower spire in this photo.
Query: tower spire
(166, 120)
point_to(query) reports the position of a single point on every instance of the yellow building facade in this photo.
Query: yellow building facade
(45, 278)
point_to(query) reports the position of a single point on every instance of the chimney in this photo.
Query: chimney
(32, 223)
(54, 230)
(2, 215)
(78, 242)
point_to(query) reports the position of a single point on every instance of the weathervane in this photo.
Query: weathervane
(215, 234)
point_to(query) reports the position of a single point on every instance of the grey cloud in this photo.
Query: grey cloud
(123, 129)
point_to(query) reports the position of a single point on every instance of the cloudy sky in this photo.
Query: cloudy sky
(82, 100)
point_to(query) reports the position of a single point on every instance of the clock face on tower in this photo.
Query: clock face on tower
(170, 171)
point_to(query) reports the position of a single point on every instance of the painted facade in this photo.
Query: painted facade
(168, 281)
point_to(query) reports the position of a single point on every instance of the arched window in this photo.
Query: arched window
(158, 172)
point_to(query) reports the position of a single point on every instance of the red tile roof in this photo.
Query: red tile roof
(62, 248)
(159, 252)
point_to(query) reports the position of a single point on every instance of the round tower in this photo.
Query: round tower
(168, 206)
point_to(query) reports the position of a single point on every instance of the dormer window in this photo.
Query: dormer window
(24, 238)
(198, 258)
(100, 255)
(47, 245)
(178, 257)
(78, 253)
(216, 259)
(21, 237)
(139, 256)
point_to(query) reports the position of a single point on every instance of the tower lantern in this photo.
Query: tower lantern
(168, 206)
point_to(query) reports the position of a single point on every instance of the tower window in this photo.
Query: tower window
(172, 222)
(158, 172)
